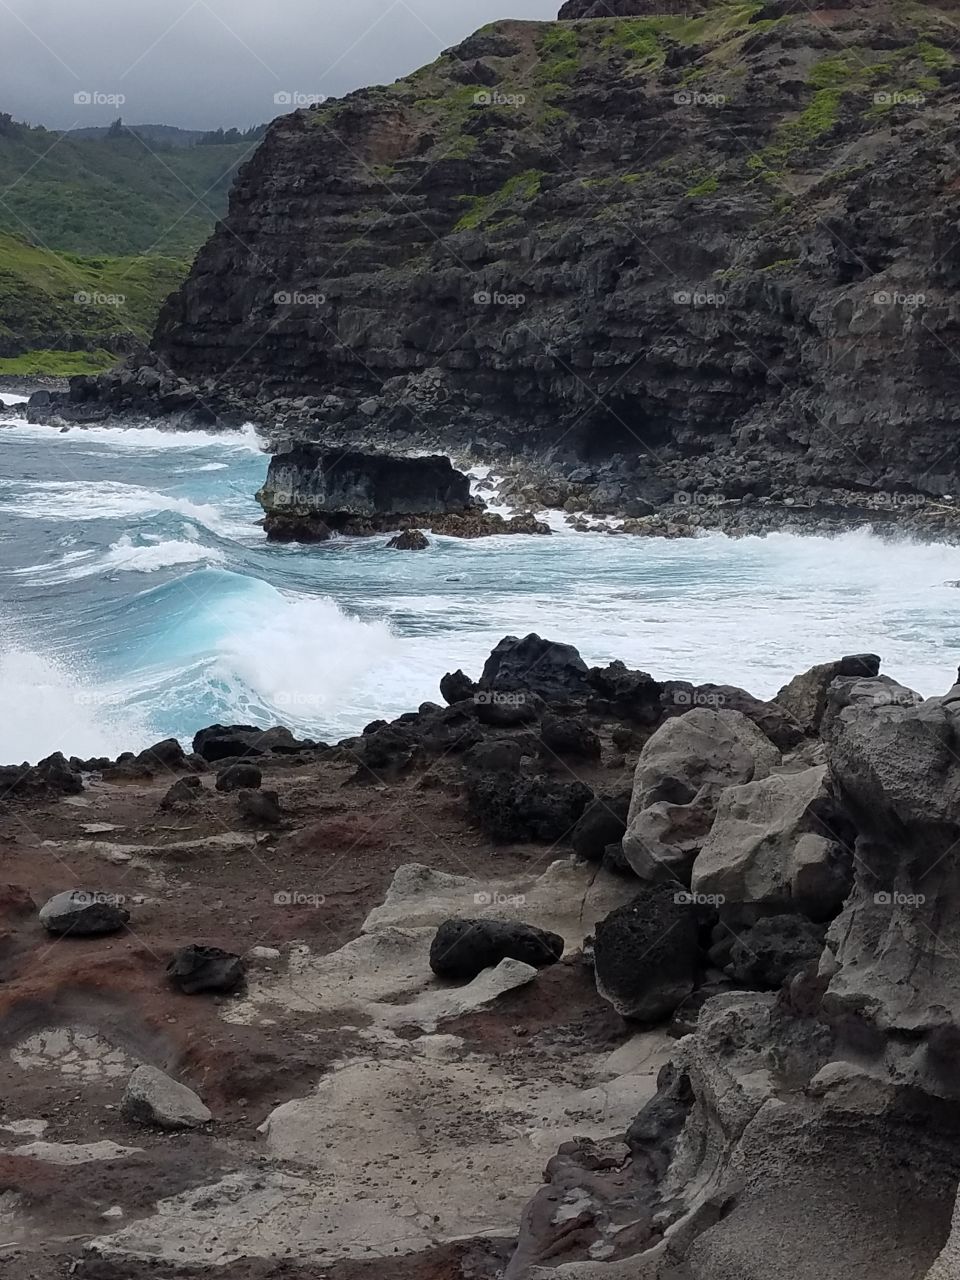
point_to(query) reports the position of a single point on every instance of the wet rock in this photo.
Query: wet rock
(457, 687)
(153, 1098)
(462, 949)
(568, 736)
(239, 776)
(775, 949)
(83, 913)
(646, 953)
(526, 808)
(682, 771)
(532, 665)
(603, 825)
(410, 540)
(260, 808)
(224, 742)
(196, 968)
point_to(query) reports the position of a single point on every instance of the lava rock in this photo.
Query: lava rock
(153, 1098)
(83, 913)
(456, 686)
(463, 948)
(239, 776)
(628, 695)
(506, 710)
(569, 736)
(646, 953)
(185, 792)
(527, 808)
(534, 665)
(196, 968)
(261, 808)
(163, 755)
(774, 949)
(225, 742)
(499, 755)
(410, 540)
(603, 824)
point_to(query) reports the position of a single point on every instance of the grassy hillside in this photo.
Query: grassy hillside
(56, 303)
(94, 234)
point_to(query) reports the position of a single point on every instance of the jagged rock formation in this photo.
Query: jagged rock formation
(717, 246)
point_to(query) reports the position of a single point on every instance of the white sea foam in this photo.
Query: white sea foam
(121, 438)
(71, 500)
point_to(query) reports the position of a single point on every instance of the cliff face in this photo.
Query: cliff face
(722, 245)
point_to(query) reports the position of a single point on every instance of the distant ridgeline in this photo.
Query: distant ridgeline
(97, 226)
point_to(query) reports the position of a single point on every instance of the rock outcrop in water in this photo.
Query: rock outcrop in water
(698, 259)
(312, 493)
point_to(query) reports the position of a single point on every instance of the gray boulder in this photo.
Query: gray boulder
(153, 1098)
(777, 844)
(682, 770)
(805, 697)
(83, 913)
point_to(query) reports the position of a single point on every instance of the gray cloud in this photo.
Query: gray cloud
(211, 63)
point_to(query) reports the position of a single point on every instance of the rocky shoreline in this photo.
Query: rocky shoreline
(688, 954)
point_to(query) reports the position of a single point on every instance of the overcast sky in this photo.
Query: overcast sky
(212, 63)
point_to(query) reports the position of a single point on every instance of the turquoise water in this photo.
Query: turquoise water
(139, 599)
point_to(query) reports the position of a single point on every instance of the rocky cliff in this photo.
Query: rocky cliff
(716, 244)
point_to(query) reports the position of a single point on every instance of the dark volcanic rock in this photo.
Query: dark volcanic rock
(499, 755)
(463, 948)
(602, 825)
(526, 808)
(410, 540)
(531, 665)
(225, 742)
(568, 736)
(455, 686)
(260, 808)
(196, 968)
(774, 949)
(185, 791)
(52, 776)
(239, 776)
(82, 912)
(646, 953)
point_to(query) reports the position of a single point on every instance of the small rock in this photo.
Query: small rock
(186, 791)
(237, 776)
(196, 968)
(410, 540)
(153, 1098)
(83, 912)
(262, 808)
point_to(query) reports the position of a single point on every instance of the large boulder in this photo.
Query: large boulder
(532, 665)
(225, 742)
(646, 953)
(461, 949)
(679, 696)
(805, 697)
(682, 770)
(777, 844)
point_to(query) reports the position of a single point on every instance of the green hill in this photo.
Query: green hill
(107, 218)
